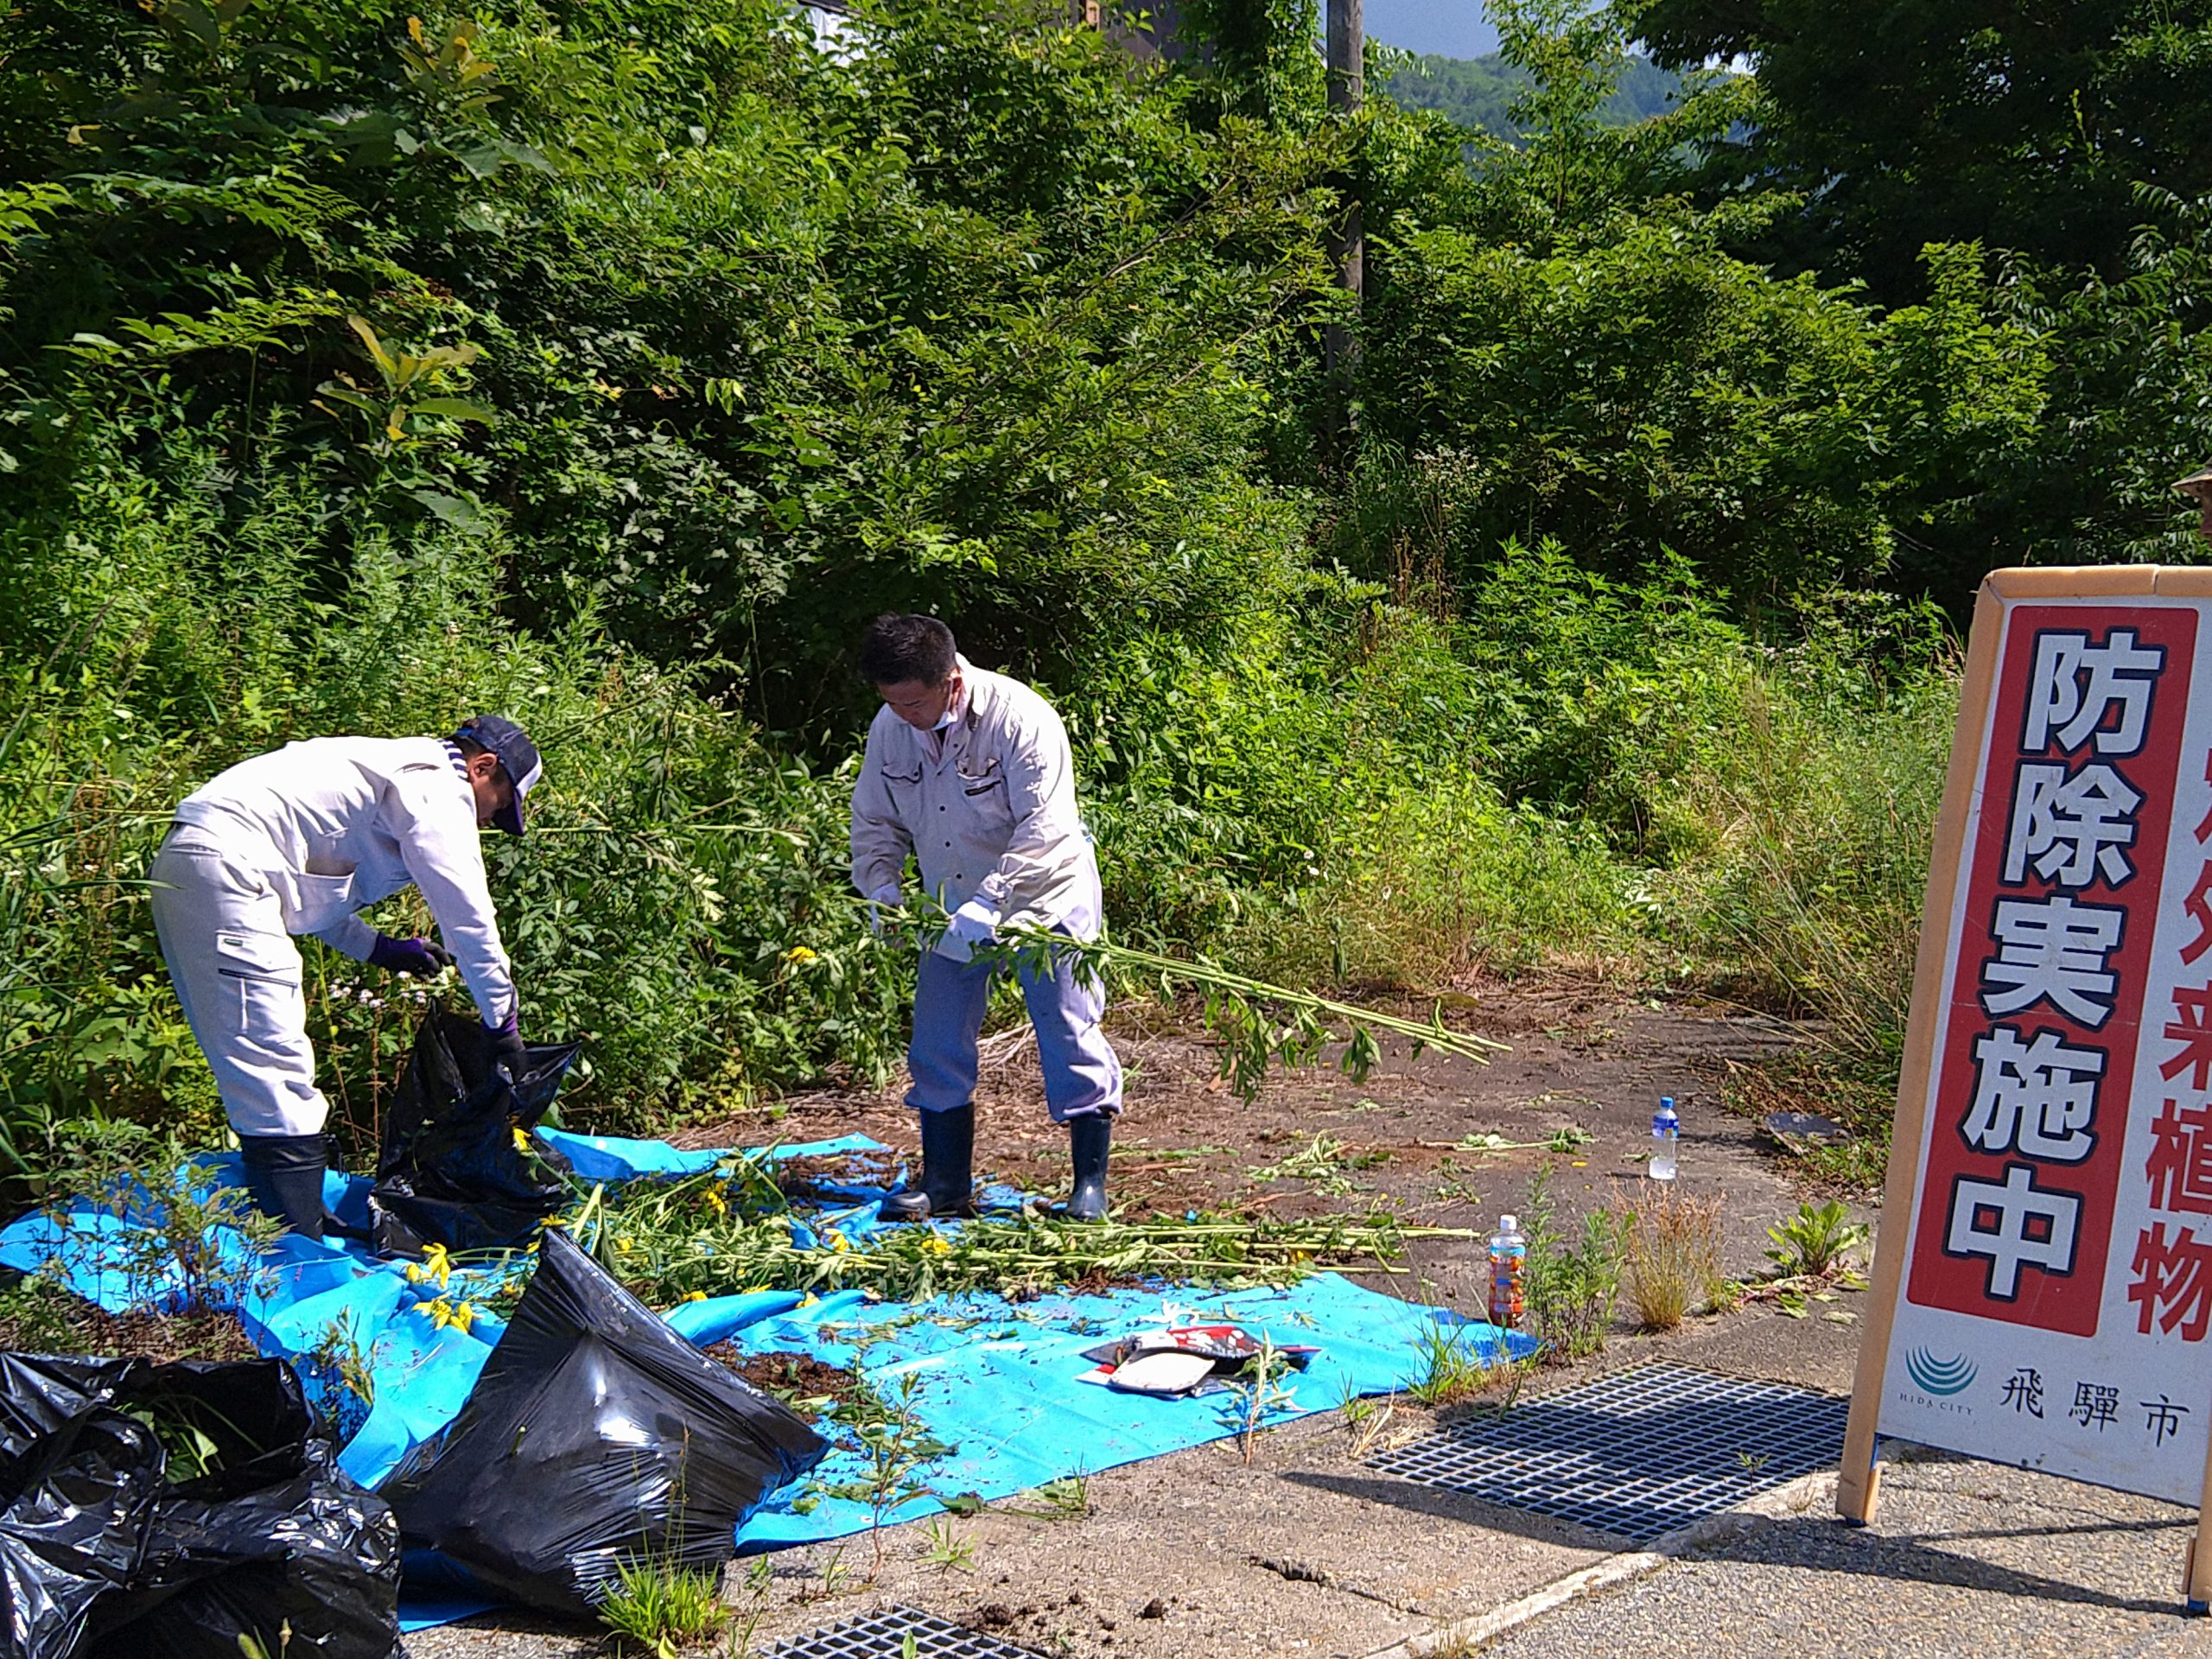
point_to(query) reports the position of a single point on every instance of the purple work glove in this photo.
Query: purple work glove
(506, 1041)
(417, 956)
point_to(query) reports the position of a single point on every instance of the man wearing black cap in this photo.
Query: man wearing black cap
(297, 841)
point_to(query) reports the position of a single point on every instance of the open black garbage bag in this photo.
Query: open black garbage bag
(594, 1435)
(270, 1533)
(448, 1171)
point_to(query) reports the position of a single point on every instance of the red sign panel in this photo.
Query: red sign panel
(2016, 1198)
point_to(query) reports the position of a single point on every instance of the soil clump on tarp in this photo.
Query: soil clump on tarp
(826, 1178)
(800, 1381)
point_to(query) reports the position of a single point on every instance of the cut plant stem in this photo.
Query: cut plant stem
(1249, 1013)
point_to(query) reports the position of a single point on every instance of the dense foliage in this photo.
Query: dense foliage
(609, 362)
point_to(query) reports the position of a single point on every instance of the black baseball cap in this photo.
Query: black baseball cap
(518, 758)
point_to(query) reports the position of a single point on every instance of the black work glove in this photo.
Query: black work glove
(504, 1041)
(424, 958)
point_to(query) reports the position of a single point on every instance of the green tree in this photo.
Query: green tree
(2022, 126)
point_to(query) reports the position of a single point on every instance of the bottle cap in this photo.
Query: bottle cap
(1509, 1223)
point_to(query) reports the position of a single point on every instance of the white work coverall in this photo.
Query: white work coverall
(296, 842)
(988, 809)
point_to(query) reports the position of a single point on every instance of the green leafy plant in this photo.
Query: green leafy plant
(1814, 1239)
(658, 1607)
(1572, 1287)
(1255, 1391)
(895, 1451)
(1452, 1368)
(943, 1548)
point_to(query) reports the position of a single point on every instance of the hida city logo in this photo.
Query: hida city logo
(1943, 1378)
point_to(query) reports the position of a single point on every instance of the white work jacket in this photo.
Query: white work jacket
(992, 817)
(336, 824)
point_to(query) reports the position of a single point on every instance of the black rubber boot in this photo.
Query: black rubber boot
(284, 1174)
(1090, 1140)
(948, 1184)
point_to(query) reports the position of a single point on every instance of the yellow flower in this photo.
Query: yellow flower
(717, 1203)
(838, 1242)
(522, 1138)
(936, 1245)
(693, 1296)
(459, 1315)
(798, 953)
(434, 1265)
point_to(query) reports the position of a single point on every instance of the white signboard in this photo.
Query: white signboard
(2044, 1282)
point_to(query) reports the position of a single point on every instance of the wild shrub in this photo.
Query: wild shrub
(1671, 1252)
(1572, 1284)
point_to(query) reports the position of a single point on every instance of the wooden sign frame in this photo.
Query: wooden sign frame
(1858, 1485)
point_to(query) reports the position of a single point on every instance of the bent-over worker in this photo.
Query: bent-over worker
(971, 772)
(296, 842)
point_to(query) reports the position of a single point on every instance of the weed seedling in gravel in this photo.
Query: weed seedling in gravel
(1452, 1368)
(1364, 1419)
(945, 1549)
(658, 1606)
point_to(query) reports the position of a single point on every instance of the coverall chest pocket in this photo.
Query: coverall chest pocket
(982, 786)
(906, 791)
(262, 970)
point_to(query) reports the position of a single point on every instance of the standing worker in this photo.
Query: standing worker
(296, 842)
(970, 771)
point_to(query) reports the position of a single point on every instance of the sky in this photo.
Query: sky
(1457, 28)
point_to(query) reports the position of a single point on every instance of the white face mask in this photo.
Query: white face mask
(950, 704)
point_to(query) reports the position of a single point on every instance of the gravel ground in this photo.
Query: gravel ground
(1964, 1560)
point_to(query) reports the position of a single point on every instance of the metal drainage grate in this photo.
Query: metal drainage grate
(1637, 1454)
(883, 1635)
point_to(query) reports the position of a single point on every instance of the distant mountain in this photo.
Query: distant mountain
(1477, 92)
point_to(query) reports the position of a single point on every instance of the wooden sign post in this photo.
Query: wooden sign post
(2043, 1288)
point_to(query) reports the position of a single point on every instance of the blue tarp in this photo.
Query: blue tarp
(993, 1379)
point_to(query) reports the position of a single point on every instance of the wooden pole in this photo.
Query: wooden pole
(1348, 245)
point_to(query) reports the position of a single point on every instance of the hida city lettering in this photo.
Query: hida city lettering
(2047, 998)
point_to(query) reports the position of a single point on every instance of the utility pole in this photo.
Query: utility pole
(1348, 245)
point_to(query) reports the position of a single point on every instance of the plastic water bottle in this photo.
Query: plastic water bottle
(1508, 1272)
(1666, 1134)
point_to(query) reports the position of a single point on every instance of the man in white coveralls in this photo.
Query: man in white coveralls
(970, 771)
(296, 842)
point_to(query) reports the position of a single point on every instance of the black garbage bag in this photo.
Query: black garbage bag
(78, 1483)
(448, 1171)
(262, 1533)
(594, 1435)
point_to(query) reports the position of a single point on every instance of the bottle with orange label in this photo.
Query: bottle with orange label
(1508, 1272)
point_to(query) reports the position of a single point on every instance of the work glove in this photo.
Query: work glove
(420, 958)
(504, 1042)
(883, 900)
(974, 922)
